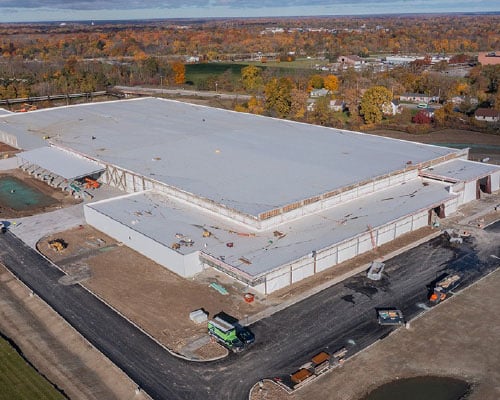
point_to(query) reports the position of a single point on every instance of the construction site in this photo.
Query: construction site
(266, 202)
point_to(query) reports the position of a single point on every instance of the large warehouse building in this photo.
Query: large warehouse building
(268, 202)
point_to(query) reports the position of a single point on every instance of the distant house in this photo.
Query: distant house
(399, 60)
(351, 60)
(464, 99)
(319, 92)
(193, 59)
(491, 58)
(487, 115)
(337, 105)
(392, 108)
(418, 98)
(334, 105)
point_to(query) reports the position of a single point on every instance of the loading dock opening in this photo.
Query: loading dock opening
(438, 211)
(484, 185)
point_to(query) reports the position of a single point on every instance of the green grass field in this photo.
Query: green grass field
(19, 380)
(196, 73)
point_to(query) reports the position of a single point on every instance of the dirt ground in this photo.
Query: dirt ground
(112, 271)
(62, 199)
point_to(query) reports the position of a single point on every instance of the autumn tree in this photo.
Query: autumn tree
(443, 114)
(299, 104)
(278, 97)
(372, 103)
(321, 112)
(331, 83)
(421, 117)
(316, 82)
(179, 70)
(251, 77)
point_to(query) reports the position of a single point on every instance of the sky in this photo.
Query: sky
(73, 10)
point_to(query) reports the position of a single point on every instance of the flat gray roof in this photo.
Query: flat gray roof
(249, 163)
(460, 170)
(167, 221)
(60, 162)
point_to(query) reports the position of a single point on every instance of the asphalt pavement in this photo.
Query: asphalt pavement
(341, 316)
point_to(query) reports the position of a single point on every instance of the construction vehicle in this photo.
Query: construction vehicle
(444, 287)
(91, 183)
(320, 362)
(390, 316)
(301, 376)
(57, 245)
(225, 333)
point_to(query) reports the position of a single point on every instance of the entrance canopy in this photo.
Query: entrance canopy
(60, 162)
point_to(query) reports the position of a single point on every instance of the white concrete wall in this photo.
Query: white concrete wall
(495, 181)
(9, 139)
(302, 269)
(385, 234)
(278, 279)
(469, 192)
(403, 226)
(420, 220)
(365, 242)
(451, 206)
(326, 258)
(347, 250)
(184, 266)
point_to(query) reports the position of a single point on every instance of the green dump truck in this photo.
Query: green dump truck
(225, 333)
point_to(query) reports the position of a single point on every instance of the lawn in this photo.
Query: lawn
(19, 380)
(197, 73)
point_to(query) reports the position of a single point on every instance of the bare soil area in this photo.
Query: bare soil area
(62, 199)
(145, 292)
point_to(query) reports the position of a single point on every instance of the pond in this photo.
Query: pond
(19, 196)
(422, 388)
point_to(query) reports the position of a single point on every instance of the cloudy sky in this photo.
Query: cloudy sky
(69, 10)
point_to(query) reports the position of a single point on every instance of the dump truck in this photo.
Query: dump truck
(301, 376)
(444, 287)
(390, 316)
(320, 362)
(225, 334)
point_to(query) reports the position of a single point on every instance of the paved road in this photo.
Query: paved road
(342, 315)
